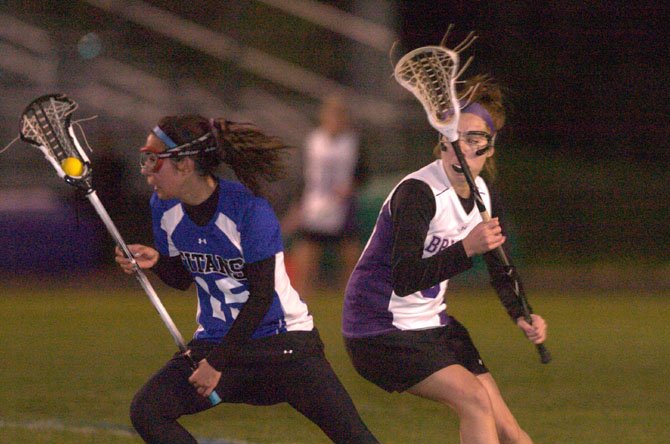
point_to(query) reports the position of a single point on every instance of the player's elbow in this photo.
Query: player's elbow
(405, 279)
(403, 285)
(402, 291)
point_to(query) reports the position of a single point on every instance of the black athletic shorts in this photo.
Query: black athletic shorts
(398, 360)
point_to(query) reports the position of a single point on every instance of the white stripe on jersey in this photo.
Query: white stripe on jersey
(229, 228)
(295, 310)
(169, 222)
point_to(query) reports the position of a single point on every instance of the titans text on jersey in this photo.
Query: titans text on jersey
(213, 263)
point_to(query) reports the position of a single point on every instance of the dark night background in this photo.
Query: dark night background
(583, 157)
(585, 78)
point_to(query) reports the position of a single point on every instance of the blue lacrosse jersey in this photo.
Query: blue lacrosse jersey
(244, 229)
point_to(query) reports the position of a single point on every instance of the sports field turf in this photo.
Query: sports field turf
(72, 357)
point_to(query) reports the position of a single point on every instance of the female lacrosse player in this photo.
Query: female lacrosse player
(396, 328)
(256, 342)
(333, 172)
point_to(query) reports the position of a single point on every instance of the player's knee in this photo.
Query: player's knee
(509, 432)
(476, 401)
(141, 416)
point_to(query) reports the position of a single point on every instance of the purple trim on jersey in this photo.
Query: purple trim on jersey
(369, 290)
(431, 292)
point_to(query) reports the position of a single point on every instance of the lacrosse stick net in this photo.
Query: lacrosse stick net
(431, 73)
(46, 124)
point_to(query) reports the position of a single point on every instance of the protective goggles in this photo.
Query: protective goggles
(478, 141)
(151, 159)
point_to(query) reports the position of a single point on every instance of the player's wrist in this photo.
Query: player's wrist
(467, 248)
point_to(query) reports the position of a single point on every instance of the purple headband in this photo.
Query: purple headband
(478, 110)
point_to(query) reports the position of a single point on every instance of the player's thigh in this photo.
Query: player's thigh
(453, 385)
(317, 393)
(168, 393)
(313, 382)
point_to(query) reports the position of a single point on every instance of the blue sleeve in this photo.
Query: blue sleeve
(260, 231)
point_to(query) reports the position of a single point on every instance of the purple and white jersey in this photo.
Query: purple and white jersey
(244, 229)
(371, 307)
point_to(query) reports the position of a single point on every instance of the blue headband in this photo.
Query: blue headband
(478, 110)
(164, 137)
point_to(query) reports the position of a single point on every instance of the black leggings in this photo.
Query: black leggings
(309, 385)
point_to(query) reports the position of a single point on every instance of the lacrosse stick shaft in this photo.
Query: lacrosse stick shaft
(545, 356)
(139, 274)
(144, 282)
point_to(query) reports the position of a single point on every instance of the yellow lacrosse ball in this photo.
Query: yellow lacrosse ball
(72, 166)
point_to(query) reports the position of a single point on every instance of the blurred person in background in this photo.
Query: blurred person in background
(326, 217)
(256, 342)
(397, 330)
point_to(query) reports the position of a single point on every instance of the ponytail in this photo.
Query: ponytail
(253, 156)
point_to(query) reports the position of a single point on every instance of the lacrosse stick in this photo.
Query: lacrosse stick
(510, 270)
(431, 74)
(46, 124)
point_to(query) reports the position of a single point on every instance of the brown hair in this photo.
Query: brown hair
(253, 156)
(487, 93)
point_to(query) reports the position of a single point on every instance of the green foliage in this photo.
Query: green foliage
(566, 210)
(73, 357)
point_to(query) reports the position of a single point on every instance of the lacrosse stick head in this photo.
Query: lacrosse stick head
(46, 124)
(430, 73)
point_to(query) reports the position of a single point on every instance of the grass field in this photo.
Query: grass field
(73, 355)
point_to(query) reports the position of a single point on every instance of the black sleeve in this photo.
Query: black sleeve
(260, 276)
(171, 270)
(505, 280)
(412, 209)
